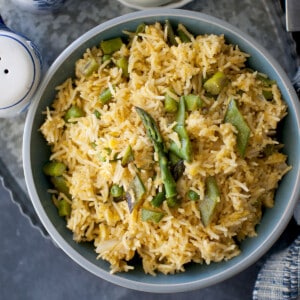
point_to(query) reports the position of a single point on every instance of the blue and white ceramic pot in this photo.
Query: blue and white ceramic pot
(39, 5)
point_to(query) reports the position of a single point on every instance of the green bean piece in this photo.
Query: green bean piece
(64, 208)
(105, 96)
(234, 117)
(170, 34)
(208, 205)
(183, 37)
(97, 114)
(116, 191)
(159, 147)
(267, 94)
(192, 195)
(216, 83)
(171, 105)
(122, 63)
(111, 46)
(54, 168)
(106, 57)
(182, 33)
(138, 189)
(73, 112)
(127, 157)
(90, 67)
(151, 215)
(266, 81)
(185, 152)
(158, 199)
(60, 184)
(193, 102)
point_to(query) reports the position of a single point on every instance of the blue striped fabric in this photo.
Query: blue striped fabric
(279, 278)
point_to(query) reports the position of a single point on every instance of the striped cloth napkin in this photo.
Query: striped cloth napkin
(279, 277)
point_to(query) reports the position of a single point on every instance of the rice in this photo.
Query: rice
(89, 148)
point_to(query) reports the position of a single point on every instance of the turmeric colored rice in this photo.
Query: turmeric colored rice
(92, 145)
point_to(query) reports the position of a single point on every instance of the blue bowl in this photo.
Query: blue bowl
(36, 153)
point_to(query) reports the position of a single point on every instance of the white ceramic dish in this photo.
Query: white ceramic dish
(146, 4)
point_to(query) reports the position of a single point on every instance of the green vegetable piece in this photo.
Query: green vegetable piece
(183, 37)
(140, 28)
(170, 34)
(183, 34)
(174, 159)
(151, 215)
(60, 184)
(105, 96)
(97, 114)
(90, 67)
(269, 150)
(106, 57)
(111, 46)
(171, 105)
(54, 168)
(185, 152)
(209, 204)
(93, 145)
(192, 102)
(266, 81)
(122, 63)
(116, 191)
(192, 195)
(128, 156)
(158, 199)
(216, 83)
(72, 113)
(138, 189)
(234, 117)
(159, 147)
(172, 201)
(267, 94)
(64, 208)
(178, 169)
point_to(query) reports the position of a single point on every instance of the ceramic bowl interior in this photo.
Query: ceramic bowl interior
(36, 153)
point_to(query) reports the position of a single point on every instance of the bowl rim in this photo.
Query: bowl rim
(71, 252)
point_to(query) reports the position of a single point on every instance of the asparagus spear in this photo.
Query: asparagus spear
(157, 140)
(185, 152)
